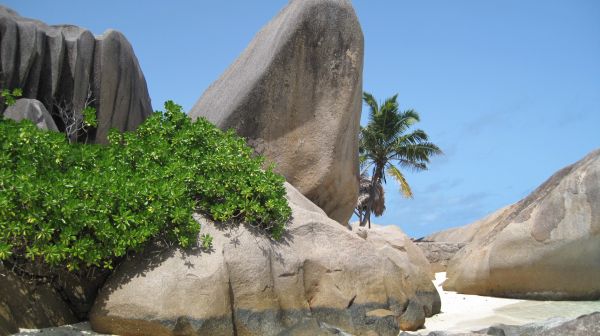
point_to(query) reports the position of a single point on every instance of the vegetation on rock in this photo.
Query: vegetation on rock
(383, 144)
(10, 97)
(77, 205)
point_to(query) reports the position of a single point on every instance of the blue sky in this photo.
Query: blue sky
(510, 90)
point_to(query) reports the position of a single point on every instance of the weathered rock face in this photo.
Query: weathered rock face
(582, 326)
(439, 254)
(28, 305)
(546, 246)
(295, 94)
(33, 110)
(395, 245)
(62, 65)
(319, 276)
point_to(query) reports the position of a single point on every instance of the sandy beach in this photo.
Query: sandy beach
(462, 313)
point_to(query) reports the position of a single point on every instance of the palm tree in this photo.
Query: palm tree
(384, 145)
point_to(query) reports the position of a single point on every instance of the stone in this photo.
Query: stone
(33, 110)
(380, 313)
(320, 277)
(390, 240)
(528, 329)
(546, 246)
(29, 304)
(413, 318)
(66, 66)
(439, 254)
(582, 326)
(295, 95)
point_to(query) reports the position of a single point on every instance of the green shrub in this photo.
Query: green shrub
(10, 97)
(79, 205)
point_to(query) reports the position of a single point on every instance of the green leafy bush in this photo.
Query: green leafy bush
(10, 97)
(79, 205)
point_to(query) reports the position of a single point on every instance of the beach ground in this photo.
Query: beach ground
(463, 313)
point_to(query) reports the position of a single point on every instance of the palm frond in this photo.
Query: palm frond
(397, 174)
(371, 102)
(386, 142)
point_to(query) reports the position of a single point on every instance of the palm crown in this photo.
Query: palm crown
(385, 145)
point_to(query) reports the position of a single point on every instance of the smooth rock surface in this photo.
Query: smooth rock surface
(389, 240)
(319, 275)
(295, 95)
(33, 110)
(413, 318)
(582, 326)
(61, 65)
(547, 246)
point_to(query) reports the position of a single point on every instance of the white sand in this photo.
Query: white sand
(463, 313)
(78, 329)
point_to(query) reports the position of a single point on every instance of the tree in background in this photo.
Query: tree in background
(76, 122)
(384, 145)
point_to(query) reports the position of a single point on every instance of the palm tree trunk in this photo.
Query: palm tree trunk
(374, 180)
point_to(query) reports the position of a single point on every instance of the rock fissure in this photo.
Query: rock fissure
(351, 302)
(232, 308)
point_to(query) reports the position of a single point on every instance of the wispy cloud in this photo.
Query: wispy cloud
(435, 211)
(442, 185)
(503, 115)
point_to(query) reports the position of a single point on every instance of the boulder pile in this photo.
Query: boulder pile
(319, 275)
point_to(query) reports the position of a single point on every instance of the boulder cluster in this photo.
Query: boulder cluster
(320, 274)
(546, 246)
(295, 95)
(301, 73)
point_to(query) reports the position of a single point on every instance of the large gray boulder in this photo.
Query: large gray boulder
(320, 279)
(295, 95)
(66, 65)
(31, 109)
(584, 325)
(546, 246)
